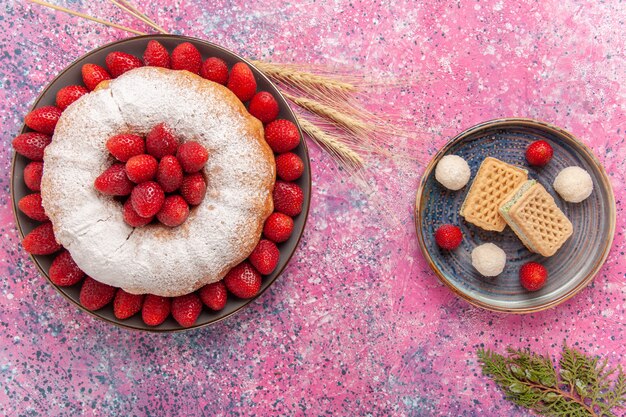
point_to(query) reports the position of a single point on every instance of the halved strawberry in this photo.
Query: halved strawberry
(41, 240)
(63, 271)
(43, 119)
(94, 294)
(93, 75)
(31, 206)
(120, 62)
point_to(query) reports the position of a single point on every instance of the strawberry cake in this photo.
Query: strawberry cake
(219, 233)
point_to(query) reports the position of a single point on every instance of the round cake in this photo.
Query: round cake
(219, 233)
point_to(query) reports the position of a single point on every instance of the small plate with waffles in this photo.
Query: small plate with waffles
(161, 181)
(513, 205)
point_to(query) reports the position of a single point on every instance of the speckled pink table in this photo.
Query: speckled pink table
(357, 325)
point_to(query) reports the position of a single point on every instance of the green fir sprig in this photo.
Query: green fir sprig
(583, 386)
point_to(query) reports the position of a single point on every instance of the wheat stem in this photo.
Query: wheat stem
(346, 155)
(303, 80)
(340, 118)
(131, 10)
(85, 16)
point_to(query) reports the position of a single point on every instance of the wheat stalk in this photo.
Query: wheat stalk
(347, 156)
(303, 80)
(330, 113)
(86, 16)
(127, 7)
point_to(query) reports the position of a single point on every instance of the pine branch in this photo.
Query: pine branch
(583, 387)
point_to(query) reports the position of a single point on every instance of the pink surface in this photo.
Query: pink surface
(357, 325)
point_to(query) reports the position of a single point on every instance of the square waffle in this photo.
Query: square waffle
(494, 181)
(535, 218)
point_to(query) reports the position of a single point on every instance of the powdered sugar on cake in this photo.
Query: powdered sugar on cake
(220, 232)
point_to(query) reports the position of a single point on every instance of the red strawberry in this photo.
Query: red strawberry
(539, 153)
(155, 309)
(125, 146)
(186, 57)
(215, 69)
(282, 135)
(160, 141)
(41, 240)
(141, 168)
(126, 305)
(288, 198)
(241, 81)
(448, 236)
(120, 62)
(193, 188)
(64, 271)
(264, 107)
(243, 281)
(156, 55)
(214, 295)
(114, 181)
(278, 227)
(31, 206)
(169, 174)
(147, 198)
(174, 211)
(94, 294)
(69, 94)
(44, 119)
(186, 309)
(31, 145)
(93, 75)
(132, 218)
(265, 257)
(533, 276)
(289, 166)
(192, 156)
(32, 175)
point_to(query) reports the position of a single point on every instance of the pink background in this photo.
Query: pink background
(357, 325)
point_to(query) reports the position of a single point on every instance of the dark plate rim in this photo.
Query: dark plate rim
(516, 122)
(304, 213)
